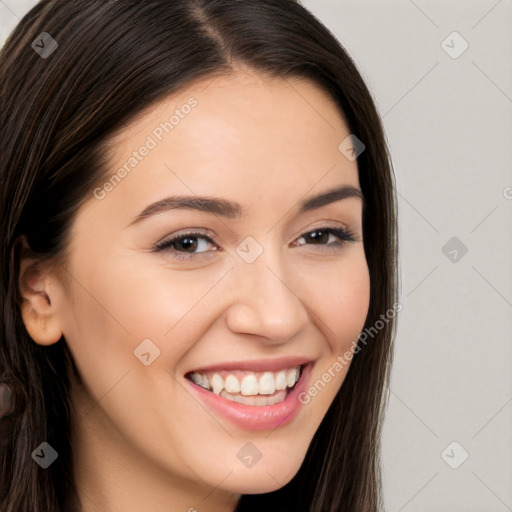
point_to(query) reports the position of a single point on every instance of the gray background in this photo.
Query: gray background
(449, 126)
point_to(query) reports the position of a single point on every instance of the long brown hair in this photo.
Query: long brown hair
(114, 59)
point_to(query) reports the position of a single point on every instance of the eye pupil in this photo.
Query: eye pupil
(187, 243)
(321, 237)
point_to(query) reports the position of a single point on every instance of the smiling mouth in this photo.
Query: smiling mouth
(248, 387)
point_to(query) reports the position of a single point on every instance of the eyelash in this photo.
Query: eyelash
(343, 234)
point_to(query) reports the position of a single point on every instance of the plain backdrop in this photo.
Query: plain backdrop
(441, 76)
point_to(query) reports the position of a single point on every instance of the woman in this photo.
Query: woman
(198, 222)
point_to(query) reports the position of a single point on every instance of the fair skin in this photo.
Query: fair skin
(143, 442)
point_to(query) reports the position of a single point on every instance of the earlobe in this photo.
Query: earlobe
(38, 309)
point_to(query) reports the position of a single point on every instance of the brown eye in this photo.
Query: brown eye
(320, 236)
(186, 245)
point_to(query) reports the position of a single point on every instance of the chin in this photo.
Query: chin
(265, 479)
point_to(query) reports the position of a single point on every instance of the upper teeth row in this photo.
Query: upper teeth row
(268, 383)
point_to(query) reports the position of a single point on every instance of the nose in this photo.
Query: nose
(266, 302)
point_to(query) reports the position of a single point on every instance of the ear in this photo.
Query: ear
(38, 293)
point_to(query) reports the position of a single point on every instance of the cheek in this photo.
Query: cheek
(339, 295)
(105, 322)
(136, 300)
(113, 309)
(341, 299)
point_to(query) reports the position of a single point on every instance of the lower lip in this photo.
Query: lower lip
(254, 417)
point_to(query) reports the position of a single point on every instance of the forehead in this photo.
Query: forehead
(241, 99)
(243, 136)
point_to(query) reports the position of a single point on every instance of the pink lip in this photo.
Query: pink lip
(253, 417)
(257, 365)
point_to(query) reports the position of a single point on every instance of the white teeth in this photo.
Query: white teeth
(217, 383)
(249, 385)
(266, 384)
(291, 377)
(232, 384)
(197, 378)
(255, 400)
(281, 380)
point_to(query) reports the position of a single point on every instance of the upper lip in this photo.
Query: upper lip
(256, 365)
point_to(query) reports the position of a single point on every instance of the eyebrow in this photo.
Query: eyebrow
(233, 209)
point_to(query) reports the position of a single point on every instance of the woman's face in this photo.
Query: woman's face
(253, 292)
